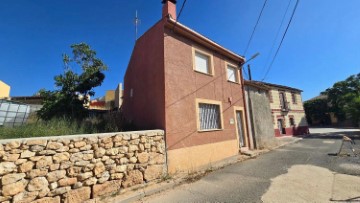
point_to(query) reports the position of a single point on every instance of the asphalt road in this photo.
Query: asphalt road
(250, 180)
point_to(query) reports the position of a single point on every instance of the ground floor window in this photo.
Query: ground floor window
(209, 116)
(292, 121)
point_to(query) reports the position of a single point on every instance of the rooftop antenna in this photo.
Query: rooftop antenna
(136, 22)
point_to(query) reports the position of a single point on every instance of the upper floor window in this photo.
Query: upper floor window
(202, 61)
(232, 73)
(282, 97)
(293, 97)
(269, 95)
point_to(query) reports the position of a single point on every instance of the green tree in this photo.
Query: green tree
(72, 88)
(317, 110)
(343, 97)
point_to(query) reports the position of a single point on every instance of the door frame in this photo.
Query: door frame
(281, 131)
(246, 136)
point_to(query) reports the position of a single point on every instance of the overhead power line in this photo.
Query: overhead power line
(178, 17)
(256, 24)
(275, 39)
(277, 51)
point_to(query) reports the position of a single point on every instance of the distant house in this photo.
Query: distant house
(181, 81)
(287, 109)
(4, 90)
(112, 100)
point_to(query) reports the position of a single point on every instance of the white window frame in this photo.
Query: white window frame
(211, 102)
(210, 67)
(232, 66)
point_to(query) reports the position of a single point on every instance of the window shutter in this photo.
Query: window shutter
(201, 63)
(231, 74)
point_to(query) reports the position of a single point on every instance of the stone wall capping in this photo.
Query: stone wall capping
(100, 135)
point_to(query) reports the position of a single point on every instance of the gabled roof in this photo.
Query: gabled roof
(271, 85)
(201, 39)
(257, 85)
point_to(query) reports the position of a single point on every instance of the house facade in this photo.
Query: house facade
(4, 90)
(287, 110)
(182, 82)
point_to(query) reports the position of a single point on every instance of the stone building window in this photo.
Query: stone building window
(292, 121)
(293, 97)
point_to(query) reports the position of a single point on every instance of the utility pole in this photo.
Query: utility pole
(136, 22)
(249, 71)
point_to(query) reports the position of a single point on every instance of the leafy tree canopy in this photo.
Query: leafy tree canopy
(344, 98)
(72, 88)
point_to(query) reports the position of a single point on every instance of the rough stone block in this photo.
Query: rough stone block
(27, 154)
(54, 145)
(41, 142)
(7, 167)
(134, 177)
(99, 168)
(65, 156)
(78, 195)
(12, 178)
(44, 162)
(27, 166)
(25, 197)
(37, 184)
(36, 173)
(153, 172)
(67, 181)
(48, 200)
(106, 188)
(55, 175)
(84, 176)
(143, 157)
(14, 188)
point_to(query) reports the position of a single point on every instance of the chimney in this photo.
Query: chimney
(169, 8)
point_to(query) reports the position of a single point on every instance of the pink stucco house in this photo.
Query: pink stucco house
(181, 81)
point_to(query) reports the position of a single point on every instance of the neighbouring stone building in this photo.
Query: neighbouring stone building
(77, 168)
(181, 81)
(259, 115)
(287, 109)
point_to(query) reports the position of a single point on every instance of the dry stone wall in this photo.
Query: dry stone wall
(79, 168)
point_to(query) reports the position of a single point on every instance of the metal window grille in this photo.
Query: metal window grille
(209, 115)
(13, 113)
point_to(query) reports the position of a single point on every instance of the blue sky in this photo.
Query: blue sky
(321, 46)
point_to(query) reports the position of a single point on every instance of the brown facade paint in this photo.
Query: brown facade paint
(183, 85)
(145, 78)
